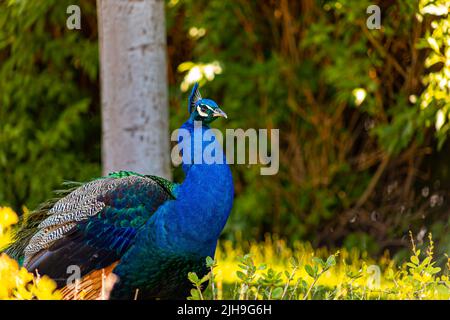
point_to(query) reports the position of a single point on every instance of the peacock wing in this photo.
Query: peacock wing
(93, 226)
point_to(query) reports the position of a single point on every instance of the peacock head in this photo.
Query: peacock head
(205, 110)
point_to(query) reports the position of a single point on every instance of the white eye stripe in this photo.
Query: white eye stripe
(205, 105)
(200, 112)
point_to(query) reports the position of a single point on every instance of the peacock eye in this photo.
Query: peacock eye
(202, 110)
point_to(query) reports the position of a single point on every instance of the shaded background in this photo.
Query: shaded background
(363, 114)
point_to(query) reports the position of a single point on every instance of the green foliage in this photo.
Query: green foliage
(49, 108)
(339, 276)
(194, 279)
(313, 271)
(196, 294)
(436, 95)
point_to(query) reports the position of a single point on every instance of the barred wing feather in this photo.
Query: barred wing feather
(93, 226)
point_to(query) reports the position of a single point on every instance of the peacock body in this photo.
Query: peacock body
(144, 230)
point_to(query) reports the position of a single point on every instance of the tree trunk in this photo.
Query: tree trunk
(133, 73)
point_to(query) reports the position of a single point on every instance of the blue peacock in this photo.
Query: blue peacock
(146, 231)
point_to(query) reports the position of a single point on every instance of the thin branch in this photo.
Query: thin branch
(381, 50)
(373, 182)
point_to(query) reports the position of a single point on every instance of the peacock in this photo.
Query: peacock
(142, 231)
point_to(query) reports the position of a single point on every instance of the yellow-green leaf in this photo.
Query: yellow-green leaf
(433, 44)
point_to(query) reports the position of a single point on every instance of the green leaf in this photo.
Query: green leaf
(318, 261)
(204, 279)
(331, 261)
(192, 276)
(426, 261)
(309, 270)
(316, 269)
(433, 44)
(195, 295)
(209, 262)
(241, 275)
(262, 266)
(415, 260)
(277, 293)
(435, 270)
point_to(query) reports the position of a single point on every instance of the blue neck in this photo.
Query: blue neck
(194, 221)
(206, 194)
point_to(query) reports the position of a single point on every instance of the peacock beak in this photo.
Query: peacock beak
(219, 113)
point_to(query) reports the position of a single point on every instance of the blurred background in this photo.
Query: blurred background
(363, 114)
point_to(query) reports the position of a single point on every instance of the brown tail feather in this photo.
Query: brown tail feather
(96, 285)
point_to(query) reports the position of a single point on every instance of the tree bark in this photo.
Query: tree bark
(132, 38)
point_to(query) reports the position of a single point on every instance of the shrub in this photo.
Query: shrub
(272, 270)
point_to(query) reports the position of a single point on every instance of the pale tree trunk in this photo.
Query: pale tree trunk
(133, 74)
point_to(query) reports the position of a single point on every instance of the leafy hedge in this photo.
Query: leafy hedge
(49, 108)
